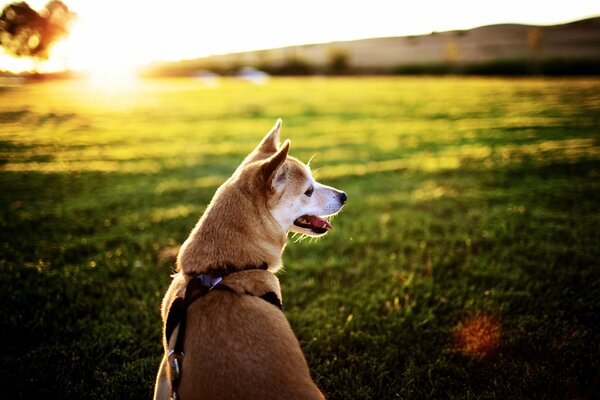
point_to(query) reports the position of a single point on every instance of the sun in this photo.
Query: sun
(103, 44)
(102, 55)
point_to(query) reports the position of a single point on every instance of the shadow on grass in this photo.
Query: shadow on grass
(518, 243)
(376, 305)
(83, 281)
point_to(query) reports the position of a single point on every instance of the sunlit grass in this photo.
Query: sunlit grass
(464, 264)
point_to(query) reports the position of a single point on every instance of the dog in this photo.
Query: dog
(225, 335)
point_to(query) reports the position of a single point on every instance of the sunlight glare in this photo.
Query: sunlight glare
(102, 56)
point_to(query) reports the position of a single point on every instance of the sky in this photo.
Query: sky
(119, 34)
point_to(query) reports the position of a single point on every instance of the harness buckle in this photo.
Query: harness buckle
(175, 361)
(208, 281)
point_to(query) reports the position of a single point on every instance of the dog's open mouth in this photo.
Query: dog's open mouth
(314, 223)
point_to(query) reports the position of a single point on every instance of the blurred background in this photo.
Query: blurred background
(466, 134)
(185, 38)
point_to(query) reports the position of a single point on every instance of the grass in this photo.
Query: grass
(465, 264)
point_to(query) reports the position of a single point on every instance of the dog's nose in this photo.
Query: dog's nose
(343, 197)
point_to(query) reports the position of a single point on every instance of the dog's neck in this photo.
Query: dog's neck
(232, 234)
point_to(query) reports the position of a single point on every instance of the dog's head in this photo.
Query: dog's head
(247, 220)
(295, 200)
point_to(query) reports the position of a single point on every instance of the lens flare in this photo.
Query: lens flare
(478, 336)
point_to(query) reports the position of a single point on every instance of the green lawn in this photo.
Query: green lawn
(465, 264)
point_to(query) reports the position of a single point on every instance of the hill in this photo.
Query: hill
(515, 48)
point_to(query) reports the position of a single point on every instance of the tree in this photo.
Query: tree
(25, 33)
(339, 61)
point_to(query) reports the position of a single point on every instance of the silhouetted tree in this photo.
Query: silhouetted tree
(25, 33)
(338, 61)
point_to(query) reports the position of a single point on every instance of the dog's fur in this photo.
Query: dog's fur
(238, 346)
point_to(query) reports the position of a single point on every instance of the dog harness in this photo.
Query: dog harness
(197, 287)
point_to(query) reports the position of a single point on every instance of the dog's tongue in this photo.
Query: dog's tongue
(318, 222)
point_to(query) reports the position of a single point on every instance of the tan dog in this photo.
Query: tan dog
(236, 345)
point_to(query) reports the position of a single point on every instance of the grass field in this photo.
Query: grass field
(465, 264)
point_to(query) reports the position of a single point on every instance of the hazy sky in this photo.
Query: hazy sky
(128, 32)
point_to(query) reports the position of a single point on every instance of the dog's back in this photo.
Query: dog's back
(240, 346)
(243, 348)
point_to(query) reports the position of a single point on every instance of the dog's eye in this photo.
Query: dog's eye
(309, 191)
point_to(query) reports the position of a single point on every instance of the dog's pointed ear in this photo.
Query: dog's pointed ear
(270, 143)
(272, 173)
(267, 146)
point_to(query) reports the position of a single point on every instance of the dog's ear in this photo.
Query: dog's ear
(272, 171)
(270, 143)
(267, 146)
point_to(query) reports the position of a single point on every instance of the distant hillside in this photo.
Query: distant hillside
(572, 48)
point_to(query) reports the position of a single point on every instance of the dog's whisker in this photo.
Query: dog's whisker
(316, 171)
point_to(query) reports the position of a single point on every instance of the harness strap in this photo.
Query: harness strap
(196, 288)
(272, 298)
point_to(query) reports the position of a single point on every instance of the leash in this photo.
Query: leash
(197, 287)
